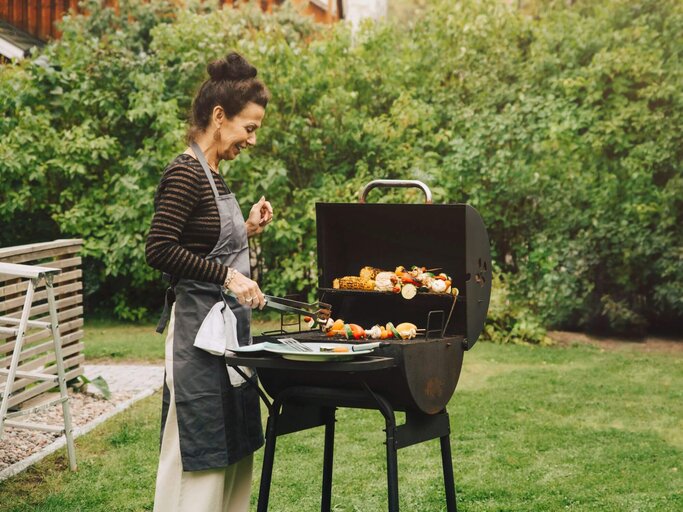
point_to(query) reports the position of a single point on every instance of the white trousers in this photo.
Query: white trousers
(212, 490)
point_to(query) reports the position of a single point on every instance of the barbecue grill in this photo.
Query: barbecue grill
(417, 376)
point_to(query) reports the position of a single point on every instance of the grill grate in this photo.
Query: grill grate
(435, 327)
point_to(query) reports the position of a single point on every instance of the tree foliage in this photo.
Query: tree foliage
(562, 126)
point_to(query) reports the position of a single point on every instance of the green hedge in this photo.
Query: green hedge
(563, 128)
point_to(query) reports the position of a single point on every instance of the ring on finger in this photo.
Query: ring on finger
(249, 299)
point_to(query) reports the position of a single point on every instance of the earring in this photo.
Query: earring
(217, 134)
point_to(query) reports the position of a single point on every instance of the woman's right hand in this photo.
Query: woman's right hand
(246, 291)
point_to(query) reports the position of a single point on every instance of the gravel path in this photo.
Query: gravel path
(125, 382)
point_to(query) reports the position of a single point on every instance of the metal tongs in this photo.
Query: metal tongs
(319, 311)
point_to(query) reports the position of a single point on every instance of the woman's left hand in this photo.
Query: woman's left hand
(260, 215)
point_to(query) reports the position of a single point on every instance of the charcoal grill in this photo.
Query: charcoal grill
(417, 376)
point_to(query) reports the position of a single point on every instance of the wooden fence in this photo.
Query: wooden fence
(38, 353)
(38, 17)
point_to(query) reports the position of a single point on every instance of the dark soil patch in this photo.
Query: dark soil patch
(647, 344)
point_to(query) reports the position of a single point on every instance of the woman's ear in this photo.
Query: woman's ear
(218, 116)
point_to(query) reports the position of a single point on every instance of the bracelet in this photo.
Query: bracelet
(231, 275)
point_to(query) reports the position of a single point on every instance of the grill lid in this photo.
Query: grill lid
(447, 236)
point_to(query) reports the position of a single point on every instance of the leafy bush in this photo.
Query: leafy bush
(561, 124)
(510, 321)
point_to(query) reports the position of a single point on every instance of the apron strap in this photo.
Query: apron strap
(166, 313)
(202, 160)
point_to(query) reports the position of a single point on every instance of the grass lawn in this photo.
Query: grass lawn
(564, 428)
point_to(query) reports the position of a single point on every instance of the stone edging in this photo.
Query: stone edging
(20, 466)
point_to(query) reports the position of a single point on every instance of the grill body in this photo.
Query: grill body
(450, 238)
(423, 377)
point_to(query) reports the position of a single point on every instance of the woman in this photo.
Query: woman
(210, 429)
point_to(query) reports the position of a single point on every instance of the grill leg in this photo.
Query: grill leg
(326, 501)
(447, 462)
(392, 447)
(392, 465)
(268, 460)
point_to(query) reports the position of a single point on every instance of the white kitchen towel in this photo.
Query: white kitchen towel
(217, 334)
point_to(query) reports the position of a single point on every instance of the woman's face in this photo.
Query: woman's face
(239, 132)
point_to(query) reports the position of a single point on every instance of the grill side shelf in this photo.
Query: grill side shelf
(266, 360)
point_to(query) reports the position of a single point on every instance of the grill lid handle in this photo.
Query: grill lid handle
(397, 184)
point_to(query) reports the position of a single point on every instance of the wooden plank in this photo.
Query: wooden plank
(19, 250)
(42, 387)
(64, 303)
(13, 289)
(32, 339)
(40, 304)
(46, 345)
(11, 12)
(41, 400)
(45, 19)
(71, 339)
(61, 8)
(42, 309)
(65, 327)
(40, 256)
(70, 328)
(67, 339)
(25, 15)
(42, 365)
(70, 361)
(66, 263)
(21, 384)
(62, 316)
(70, 354)
(19, 15)
(75, 344)
(52, 17)
(41, 295)
(33, 17)
(20, 288)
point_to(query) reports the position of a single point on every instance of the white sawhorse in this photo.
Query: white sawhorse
(18, 328)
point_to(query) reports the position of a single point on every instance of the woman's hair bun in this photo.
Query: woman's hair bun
(232, 67)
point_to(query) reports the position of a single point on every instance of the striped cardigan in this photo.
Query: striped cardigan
(186, 224)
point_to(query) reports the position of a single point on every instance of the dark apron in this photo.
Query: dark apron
(218, 424)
